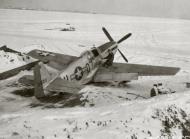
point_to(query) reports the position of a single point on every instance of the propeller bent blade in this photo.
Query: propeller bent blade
(107, 34)
(121, 40)
(123, 56)
(124, 38)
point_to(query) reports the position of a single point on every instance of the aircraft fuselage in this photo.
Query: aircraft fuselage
(84, 68)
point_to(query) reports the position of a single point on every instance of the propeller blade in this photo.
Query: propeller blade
(107, 34)
(123, 56)
(124, 38)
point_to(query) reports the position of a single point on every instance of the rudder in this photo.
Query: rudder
(42, 78)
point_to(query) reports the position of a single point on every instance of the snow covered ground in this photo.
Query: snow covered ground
(108, 112)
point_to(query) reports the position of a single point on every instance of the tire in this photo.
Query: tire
(88, 67)
(152, 93)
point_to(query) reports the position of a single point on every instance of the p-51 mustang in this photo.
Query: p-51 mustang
(64, 73)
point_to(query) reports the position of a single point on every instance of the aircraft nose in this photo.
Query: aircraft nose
(106, 46)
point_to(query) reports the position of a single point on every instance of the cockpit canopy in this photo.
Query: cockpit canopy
(91, 53)
(95, 52)
(84, 53)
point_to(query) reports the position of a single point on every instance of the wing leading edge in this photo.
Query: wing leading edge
(144, 70)
(128, 72)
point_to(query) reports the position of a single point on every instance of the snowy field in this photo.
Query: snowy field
(108, 112)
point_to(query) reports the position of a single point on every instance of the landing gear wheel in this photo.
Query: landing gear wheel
(152, 94)
(122, 83)
(88, 67)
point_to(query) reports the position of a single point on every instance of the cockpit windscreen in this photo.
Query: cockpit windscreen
(95, 52)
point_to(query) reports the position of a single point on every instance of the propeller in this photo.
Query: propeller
(126, 60)
(107, 34)
(118, 42)
(124, 38)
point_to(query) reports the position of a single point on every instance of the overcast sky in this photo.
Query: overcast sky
(156, 8)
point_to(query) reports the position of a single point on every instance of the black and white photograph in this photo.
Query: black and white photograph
(94, 69)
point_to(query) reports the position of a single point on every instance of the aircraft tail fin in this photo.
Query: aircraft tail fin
(42, 78)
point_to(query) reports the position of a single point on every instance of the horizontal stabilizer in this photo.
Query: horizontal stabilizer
(12, 72)
(60, 85)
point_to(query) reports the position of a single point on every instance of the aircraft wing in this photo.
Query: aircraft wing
(55, 60)
(106, 75)
(144, 70)
(128, 72)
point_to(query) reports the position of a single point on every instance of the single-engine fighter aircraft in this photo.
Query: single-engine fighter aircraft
(63, 73)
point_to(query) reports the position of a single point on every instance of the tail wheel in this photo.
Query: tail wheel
(88, 67)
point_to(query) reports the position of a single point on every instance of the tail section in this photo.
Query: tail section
(42, 78)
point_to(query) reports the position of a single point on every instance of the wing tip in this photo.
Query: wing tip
(177, 69)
